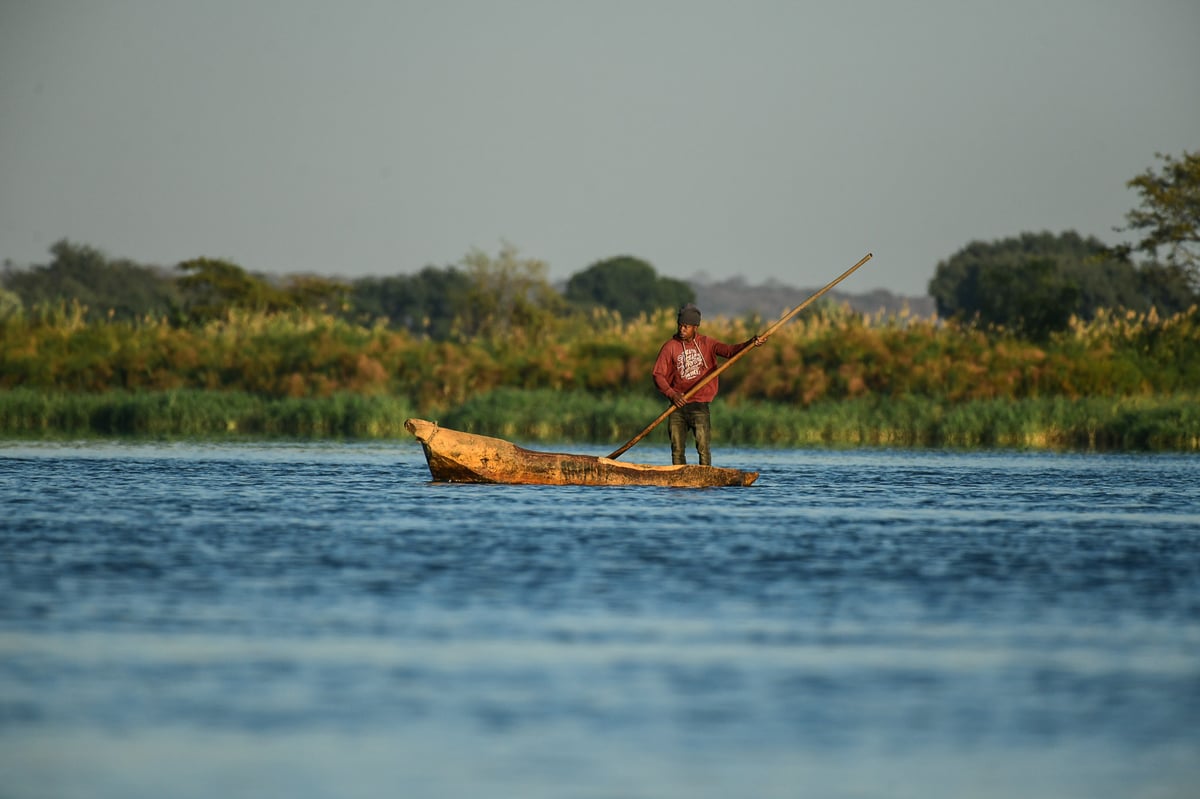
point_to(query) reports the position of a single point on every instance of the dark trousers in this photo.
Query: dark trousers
(691, 417)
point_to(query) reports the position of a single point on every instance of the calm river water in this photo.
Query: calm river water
(318, 620)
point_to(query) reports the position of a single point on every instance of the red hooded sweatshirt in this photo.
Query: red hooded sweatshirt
(682, 365)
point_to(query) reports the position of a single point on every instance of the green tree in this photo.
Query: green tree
(1033, 270)
(426, 303)
(507, 293)
(1033, 297)
(627, 285)
(1168, 218)
(11, 306)
(317, 293)
(120, 288)
(1166, 287)
(211, 287)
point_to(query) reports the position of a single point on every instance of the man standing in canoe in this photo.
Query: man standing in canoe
(682, 363)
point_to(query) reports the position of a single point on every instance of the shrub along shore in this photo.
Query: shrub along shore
(832, 378)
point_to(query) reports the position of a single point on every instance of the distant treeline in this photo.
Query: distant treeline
(479, 295)
(1033, 284)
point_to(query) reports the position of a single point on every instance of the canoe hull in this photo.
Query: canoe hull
(457, 457)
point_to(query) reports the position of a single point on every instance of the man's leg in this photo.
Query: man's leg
(702, 425)
(677, 425)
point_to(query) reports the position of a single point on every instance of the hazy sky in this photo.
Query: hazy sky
(763, 139)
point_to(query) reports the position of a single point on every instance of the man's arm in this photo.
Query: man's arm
(730, 350)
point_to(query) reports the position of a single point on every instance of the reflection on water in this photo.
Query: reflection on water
(316, 620)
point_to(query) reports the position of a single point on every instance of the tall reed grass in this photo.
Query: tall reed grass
(542, 415)
(191, 413)
(1100, 423)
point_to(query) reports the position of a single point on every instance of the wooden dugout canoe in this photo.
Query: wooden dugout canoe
(456, 457)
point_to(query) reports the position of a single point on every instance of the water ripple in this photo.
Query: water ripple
(908, 613)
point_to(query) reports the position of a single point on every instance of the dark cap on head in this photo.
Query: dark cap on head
(689, 315)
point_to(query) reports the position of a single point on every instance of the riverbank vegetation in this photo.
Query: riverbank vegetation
(1042, 341)
(832, 377)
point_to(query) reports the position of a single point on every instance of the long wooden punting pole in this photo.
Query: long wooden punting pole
(716, 372)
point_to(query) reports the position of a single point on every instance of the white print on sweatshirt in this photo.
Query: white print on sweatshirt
(690, 363)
